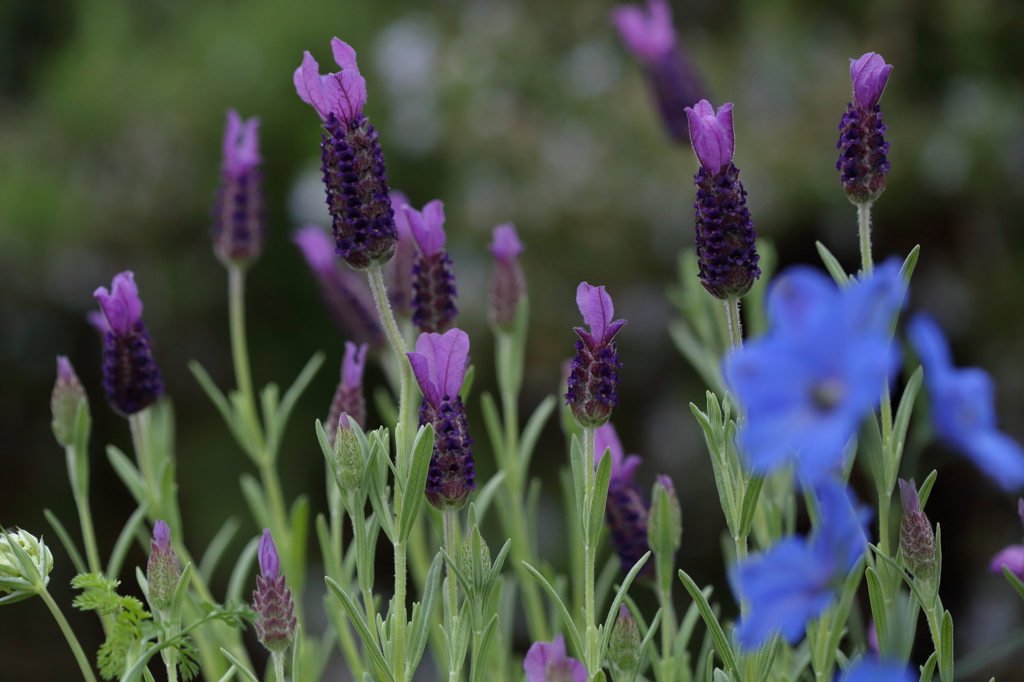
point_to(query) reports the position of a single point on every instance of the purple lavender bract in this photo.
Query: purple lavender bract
(348, 398)
(862, 147)
(439, 364)
(433, 302)
(508, 286)
(725, 237)
(238, 224)
(593, 377)
(163, 569)
(272, 600)
(353, 163)
(626, 508)
(131, 378)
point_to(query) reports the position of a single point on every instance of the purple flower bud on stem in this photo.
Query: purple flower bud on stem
(626, 508)
(508, 286)
(917, 539)
(163, 569)
(67, 395)
(398, 270)
(348, 398)
(433, 303)
(353, 163)
(549, 662)
(131, 378)
(593, 378)
(272, 600)
(725, 237)
(862, 147)
(439, 364)
(239, 219)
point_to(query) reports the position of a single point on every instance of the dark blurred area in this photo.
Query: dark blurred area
(111, 115)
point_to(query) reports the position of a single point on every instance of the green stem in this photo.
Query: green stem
(732, 312)
(668, 621)
(864, 224)
(69, 635)
(589, 555)
(279, 665)
(171, 664)
(451, 587)
(884, 502)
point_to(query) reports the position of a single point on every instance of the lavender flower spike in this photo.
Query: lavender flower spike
(508, 286)
(131, 378)
(725, 237)
(398, 270)
(1011, 556)
(862, 147)
(439, 364)
(238, 221)
(348, 398)
(65, 400)
(917, 539)
(593, 378)
(433, 302)
(549, 662)
(673, 81)
(346, 294)
(353, 163)
(272, 600)
(163, 569)
(626, 509)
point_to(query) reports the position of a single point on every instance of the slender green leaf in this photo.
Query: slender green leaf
(180, 590)
(766, 658)
(480, 656)
(356, 616)
(877, 598)
(242, 571)
(751, 494)
(833, 266)
(613, 612)
(928, 669)
(124, 541)
(374, 485)
(252, 491)
(65, 539)
(926, 488)
(453, 566)
(1014, 581)
(238, 665)
(217, 397)
(905, 410)
(422, 448)
(534, 426)
(284, 410)
(492, 422)
(229, 674)
(721, 642)
(82, 425)
(423, 618)
(486, 495)
(597, 504)
(567, 620)
(215, 550)
(946, 649)
(387, 409)
(269, 398)
(128, 474)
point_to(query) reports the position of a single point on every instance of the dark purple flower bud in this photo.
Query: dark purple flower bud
(508, 286)
(238, 221)
(398, 270)
(917, 539)
(439, 364)
(131, 378)
(346, 294)
(163, 569)
(725, 237)
(272, 600)
(862, 146)
(433, 282)
(353, 163)
(626, 509)
(348, 398)
(67, 395)
(673, 80)
(1011, 556)
(593, 378)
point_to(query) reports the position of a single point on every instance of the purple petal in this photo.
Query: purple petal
(98, 320)
(161, 535)
(548, 662)
(908, 496)
(353, 363)
(122, 308)
(318, 248)
(506, 245)
(427, 227)
(241, 143)
(231, 131)
(648, 34)
(869, 75)
(270, 563)
(712, 134)
(307, 84)
(1012, 557)
(344, 55)
(606, 438)
(65, 372)
(596, 307)
(447, 356)
(399, 202)
(421, 368)
(344, 93)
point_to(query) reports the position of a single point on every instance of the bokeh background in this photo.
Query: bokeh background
(111, 114)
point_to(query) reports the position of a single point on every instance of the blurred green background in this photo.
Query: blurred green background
(111, 115)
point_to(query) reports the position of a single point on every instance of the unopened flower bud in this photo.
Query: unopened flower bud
(272, 600)
(348, 455)
(433, 303)
(67, 395)
(163, 569)
(14, 576)
(475, 563)
(593, 375)
(624, 644)
(348, 398)
(665, 521)
(238, 219)
(508, 286)
(917, 539)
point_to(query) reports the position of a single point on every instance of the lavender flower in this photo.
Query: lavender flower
(238, 221)
(725, 236)
(163, 569)
(862, 147)
(508, 286)
(796, 579)
(670, 74)
(963, 408)
(272, 600)
(131, 378)
(807, 384)
(626, 509)
(548, 662)
(917, 540)
(1011, 556)
(346, 294)
(67, 395)
(593, 378)
(433, 282)
(439, 364)
(353, 163)
(348, 397)
(398, 270)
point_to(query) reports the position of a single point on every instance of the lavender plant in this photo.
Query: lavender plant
(789, 410)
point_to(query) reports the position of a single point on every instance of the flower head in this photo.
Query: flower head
(808, 383)
(15, 574)
(1012, 556)
(648, 34)
(348, 397)
(917, 540)
(593, 378)
(272, 600)
(863, 161)
(869, 75)
(65, 400)
(342, 94)
(433, 302)
(439, 364)
(508, 286)
(963, 407)
(548, 662)
(712, 135)
(163, 569)
(131, 378)
(238, 225)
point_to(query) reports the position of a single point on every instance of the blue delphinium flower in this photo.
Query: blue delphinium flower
(963, 407)
(796, 579)
(877, 671)
(807, 385)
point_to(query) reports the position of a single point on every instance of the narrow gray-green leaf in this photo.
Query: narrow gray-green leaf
(252, 491)
(833, 266)
(714, 628)
(284, 410)
(925, 491)
(492, 422)
(128, 474)
(215, 550)
(242, 571)
(877, 599)
(238, 665)
(750, 496)
(124, 542)
(356, 616)
(946, 649)
(597, 504)
(534, 426)
(65, 539)
(928, 669)
(480, 656)
(613, 612)
(422, 448)
(567, 620)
